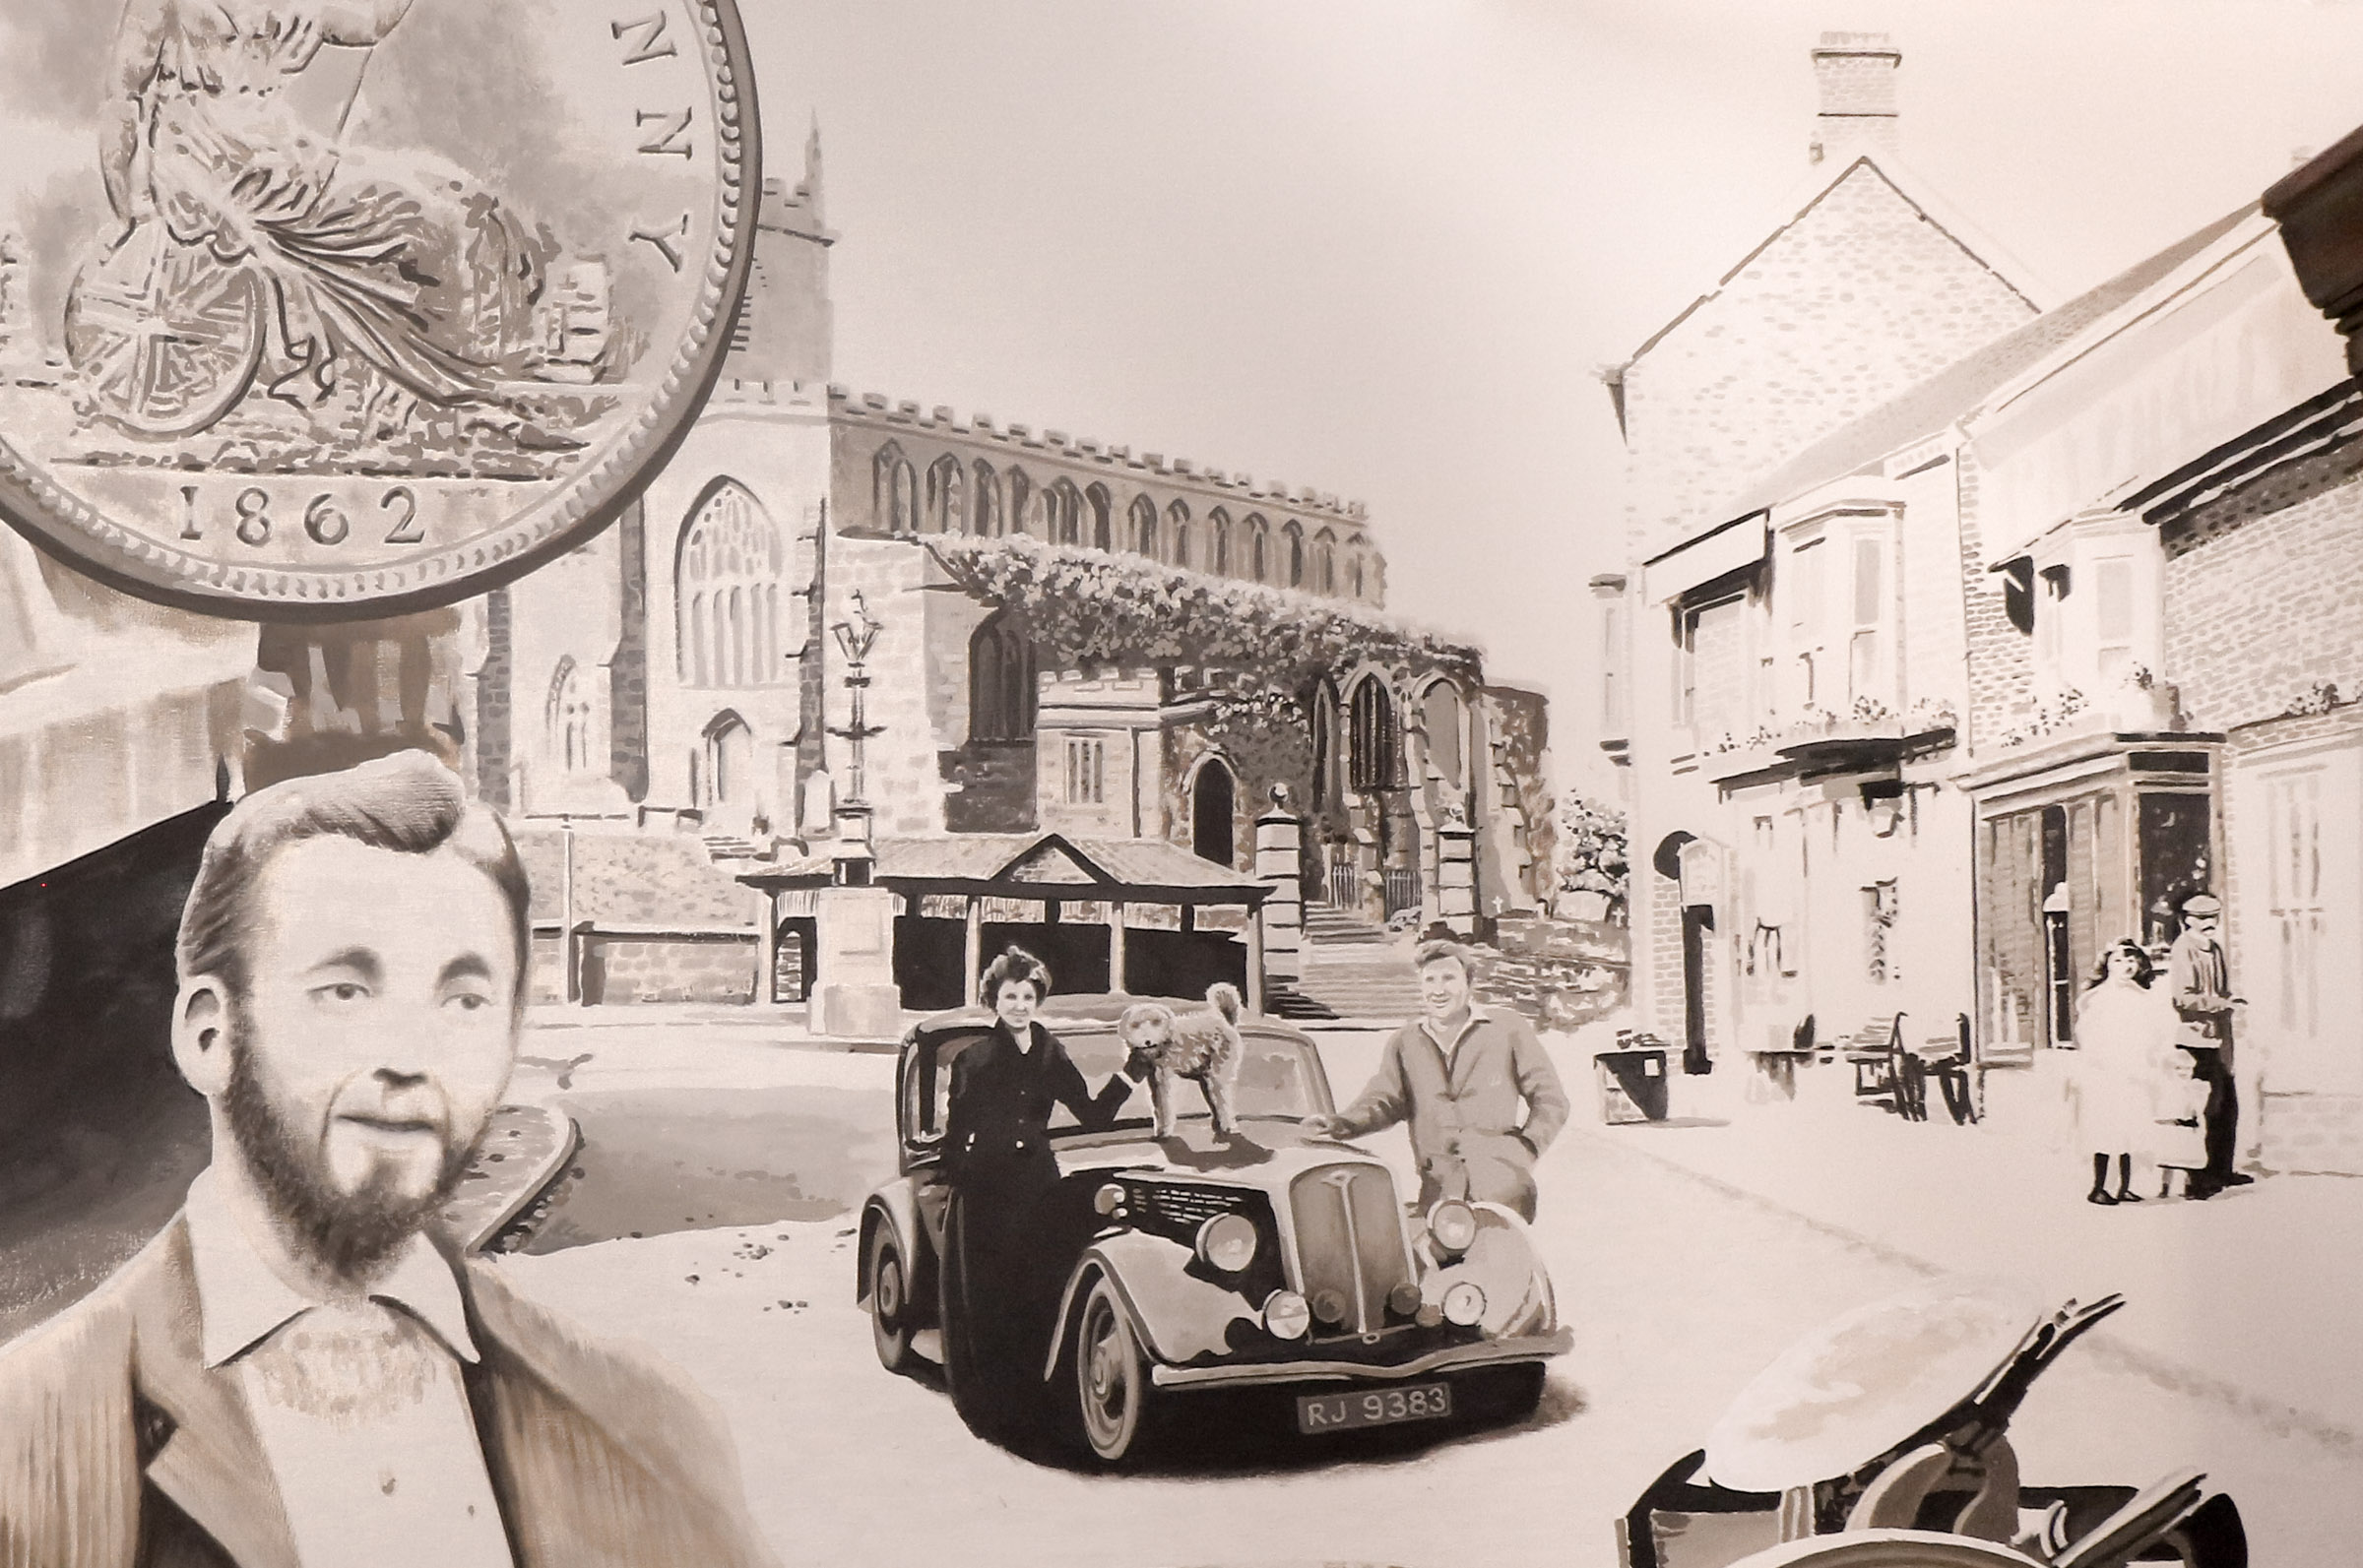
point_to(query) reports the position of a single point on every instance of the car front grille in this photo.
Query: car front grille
(1349, 1241)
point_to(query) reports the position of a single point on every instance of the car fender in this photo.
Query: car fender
(1176, 1317)
(1504, 1263)
(896, 1207)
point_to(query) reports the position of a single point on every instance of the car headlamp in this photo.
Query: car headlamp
(1453, 1227)
(1227, 1243)
(1329, 1306)
(1404, 1301)
(1286, 1315)
(1464, 1303)
(1110, 1200)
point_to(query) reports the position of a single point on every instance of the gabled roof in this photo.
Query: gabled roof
(1034, 865)
(1906, 187)
(1961, 386)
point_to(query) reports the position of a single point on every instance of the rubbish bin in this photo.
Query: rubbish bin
(1633, 1084)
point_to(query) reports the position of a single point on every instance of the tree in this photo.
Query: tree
(1590, 856)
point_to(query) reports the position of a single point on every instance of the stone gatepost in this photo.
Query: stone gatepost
(854, 994)
(1279, 866)
(1456, 875)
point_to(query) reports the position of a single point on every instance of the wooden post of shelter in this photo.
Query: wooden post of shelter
(1115, 945)
(973, 950)
(767, 946)
(1255, 959)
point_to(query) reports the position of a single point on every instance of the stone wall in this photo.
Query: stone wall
(711, 966)
(495, 702)
(627, 675)
(2314, 1133)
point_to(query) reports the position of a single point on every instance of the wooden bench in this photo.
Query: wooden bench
(1950, 1059)
(1874, 1051)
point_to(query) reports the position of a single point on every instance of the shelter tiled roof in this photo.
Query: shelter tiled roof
(1098, 867)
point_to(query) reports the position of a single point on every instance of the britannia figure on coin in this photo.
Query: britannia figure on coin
(256, 245)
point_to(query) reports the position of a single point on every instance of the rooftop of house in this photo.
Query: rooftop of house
(1956, 391)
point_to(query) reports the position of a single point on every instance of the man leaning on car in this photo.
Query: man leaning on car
(1458, 1074)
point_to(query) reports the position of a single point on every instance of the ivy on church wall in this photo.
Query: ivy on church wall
(1088, 607)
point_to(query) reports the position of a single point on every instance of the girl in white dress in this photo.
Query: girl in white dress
(2124, 1033)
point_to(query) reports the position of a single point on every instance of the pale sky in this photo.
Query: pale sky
(1381, 247)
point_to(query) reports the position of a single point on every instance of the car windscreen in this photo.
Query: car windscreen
(1274, 1079)
(1277, 1077)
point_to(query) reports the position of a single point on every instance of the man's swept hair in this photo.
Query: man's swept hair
(1016, 965)
(1435, 949)
(409, 804)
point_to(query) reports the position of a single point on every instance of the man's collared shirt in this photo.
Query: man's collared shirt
(359, 1405)
(1451, 1048)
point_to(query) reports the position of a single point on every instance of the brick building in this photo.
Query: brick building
(2007, 666)
(1866, 288)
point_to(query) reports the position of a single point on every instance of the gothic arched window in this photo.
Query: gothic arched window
(1103, 518)
(1374, 747)
(1000, 682)
(1446, 722)
(1062, 513)
(945, 498)
(1259, 551)
(1293, 552)
(1021, 504)
(570, 719)
(1144, 527)
(1324, 563)
(985, 511)
(894, 490)
(1325, 746)
(726, 592)
(1177, 528)
(1218, 523)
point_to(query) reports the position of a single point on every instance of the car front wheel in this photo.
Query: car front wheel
(1112, 1392)
(889, 1300)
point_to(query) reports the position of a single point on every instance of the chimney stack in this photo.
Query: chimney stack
(1856, 74)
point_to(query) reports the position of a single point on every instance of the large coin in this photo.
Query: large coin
(316, 309)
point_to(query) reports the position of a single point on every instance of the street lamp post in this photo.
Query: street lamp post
(854, 854)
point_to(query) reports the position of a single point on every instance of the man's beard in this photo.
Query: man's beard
(347, 1233)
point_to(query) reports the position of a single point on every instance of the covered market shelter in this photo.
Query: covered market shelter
(1136, 916)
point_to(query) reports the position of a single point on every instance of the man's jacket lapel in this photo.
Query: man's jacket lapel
(209, 1460)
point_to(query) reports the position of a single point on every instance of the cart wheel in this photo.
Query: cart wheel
(167, 338)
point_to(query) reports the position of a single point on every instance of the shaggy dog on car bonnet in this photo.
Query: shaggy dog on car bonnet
(1162, 1045)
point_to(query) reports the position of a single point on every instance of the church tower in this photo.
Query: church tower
(787, 323)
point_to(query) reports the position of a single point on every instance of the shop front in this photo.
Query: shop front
(2078, 843)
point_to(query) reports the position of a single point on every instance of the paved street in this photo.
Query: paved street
(1681, 1276)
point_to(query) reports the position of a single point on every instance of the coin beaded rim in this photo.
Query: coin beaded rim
(585, 502)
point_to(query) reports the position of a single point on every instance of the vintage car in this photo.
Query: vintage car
(1271, 1260)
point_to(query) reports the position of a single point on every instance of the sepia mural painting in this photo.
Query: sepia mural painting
(1730, 932)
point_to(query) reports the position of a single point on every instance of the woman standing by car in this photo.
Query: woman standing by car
(2124, 1032)
(998, 1231)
